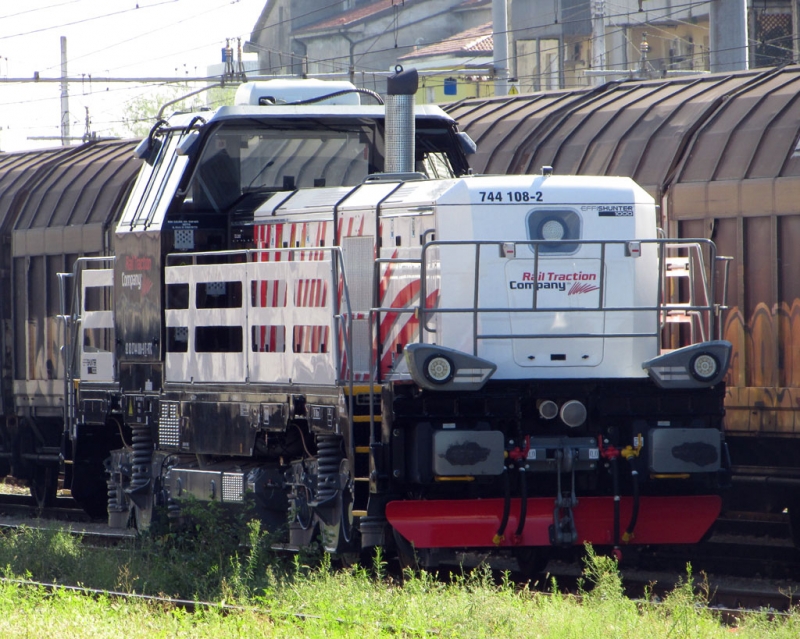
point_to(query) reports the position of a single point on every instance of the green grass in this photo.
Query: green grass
(306, 597)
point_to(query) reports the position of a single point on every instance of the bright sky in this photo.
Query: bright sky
(105, 38)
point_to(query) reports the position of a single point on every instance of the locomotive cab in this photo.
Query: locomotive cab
(181, 300)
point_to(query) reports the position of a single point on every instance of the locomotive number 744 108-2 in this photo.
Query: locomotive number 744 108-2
(511, 196)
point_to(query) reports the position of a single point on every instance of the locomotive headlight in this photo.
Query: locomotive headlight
(439, 369)
(704, 366)
(446, 369)
(553, 230)
(696, 366)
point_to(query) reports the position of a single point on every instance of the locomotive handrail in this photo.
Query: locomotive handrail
(708, 309)
(337, 270)
(690, 308)
(71, 318)
(723, 305)
(343, 318)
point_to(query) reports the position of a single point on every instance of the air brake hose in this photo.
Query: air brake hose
(523, 508)
(635, 511)
(500, 535)
(615, 475)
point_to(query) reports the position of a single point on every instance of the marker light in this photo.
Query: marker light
(439, 369)
(704, 366)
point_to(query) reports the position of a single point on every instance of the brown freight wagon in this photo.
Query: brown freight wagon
(55, 205)
(721, 154)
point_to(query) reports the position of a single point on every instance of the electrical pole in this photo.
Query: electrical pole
(796, 31)
(644, 48)
(500, 45)
(64, 94)
(728, 49)
(599, 39)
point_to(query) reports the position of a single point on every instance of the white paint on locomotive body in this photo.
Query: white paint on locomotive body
(97, 359)
(576, 290)
(560, 305)
(280, 91)
(608, 212)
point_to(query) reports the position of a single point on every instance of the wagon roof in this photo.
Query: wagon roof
(61, 200)
(704, 129)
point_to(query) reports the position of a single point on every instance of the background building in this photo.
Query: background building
(552, 44)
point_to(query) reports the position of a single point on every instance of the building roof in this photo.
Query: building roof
(475, 41)
(374, 10)
(351, 17)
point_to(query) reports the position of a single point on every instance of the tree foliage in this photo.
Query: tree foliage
(141, 112)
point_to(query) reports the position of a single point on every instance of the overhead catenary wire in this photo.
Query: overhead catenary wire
(35, 9)
(84, 20)
(339, 65)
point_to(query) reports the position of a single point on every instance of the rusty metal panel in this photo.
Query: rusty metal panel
(760, 302)
(788, 264)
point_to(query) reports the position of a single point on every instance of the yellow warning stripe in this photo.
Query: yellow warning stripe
(363, 389)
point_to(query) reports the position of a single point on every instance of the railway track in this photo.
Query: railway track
(17, 510)
(746, 545)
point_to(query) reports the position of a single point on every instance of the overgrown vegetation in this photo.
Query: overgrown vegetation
(305, 596)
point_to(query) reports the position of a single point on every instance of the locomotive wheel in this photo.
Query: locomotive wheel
(303, 515)
(531, 561)
(44, 485)
(303, 526)
(338, 537)
(89, 488)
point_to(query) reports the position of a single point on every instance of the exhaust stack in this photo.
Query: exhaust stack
(400, 127)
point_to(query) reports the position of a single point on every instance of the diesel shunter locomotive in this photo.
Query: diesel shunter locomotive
(313, 306)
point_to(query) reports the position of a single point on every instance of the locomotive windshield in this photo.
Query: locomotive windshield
(240, 166)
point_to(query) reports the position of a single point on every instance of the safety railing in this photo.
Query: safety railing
(288, 274)
(72, 313)
(699, 306)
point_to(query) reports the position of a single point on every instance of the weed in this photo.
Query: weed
(306, 596)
